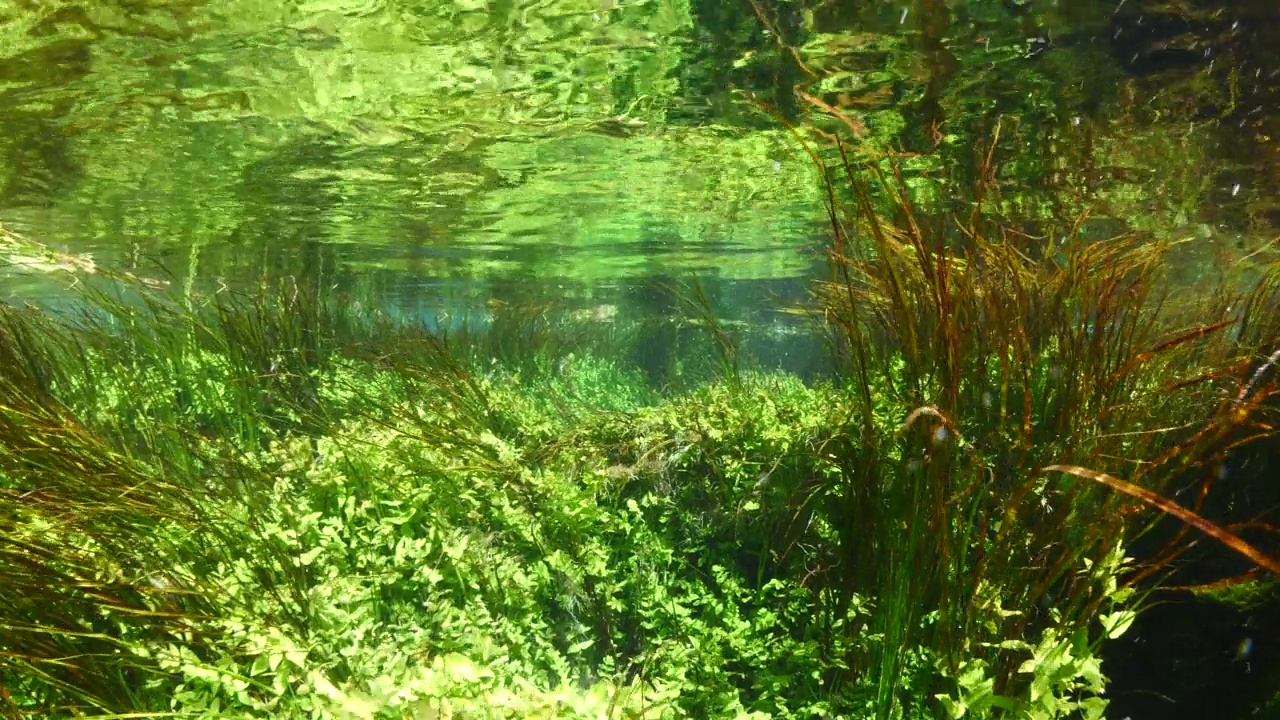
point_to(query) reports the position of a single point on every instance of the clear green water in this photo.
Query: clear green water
(450, 153)
(455, 157)
(442, 149)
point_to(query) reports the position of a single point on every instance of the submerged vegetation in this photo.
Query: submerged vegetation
(224, 496)
(281, 505)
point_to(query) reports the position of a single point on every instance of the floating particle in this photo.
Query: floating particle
(1244, 650)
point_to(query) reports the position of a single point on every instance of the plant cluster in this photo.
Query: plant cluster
(270, 507)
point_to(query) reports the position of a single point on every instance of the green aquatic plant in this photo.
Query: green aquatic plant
(347, 510)
(81, 522)
(260, 422)
(282, 504)
(1016, 403)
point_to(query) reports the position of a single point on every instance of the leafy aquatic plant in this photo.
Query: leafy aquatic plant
(345, 517)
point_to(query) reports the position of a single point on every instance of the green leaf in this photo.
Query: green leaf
(1093, 708)
(1115, 624)
(309, 556)
(955, 708)
(259, 666)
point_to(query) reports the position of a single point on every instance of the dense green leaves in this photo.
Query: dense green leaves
(413, 531)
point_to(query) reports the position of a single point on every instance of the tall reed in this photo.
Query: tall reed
(1015, 404)
(81, 519)
(126, 431)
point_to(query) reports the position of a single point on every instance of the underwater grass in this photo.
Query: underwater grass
(277, 504)
(991, 373)
(219, 403)
(80, 522)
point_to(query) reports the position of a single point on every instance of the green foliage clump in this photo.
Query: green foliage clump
(405, 534)
(270, 507)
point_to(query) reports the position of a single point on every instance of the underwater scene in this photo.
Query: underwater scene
(640, 359)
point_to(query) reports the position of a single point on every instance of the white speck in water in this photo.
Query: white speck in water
(777, 166)
(941, 434)
(903, 19)
(988, 399)
(1076, 121)
(1235, 190)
